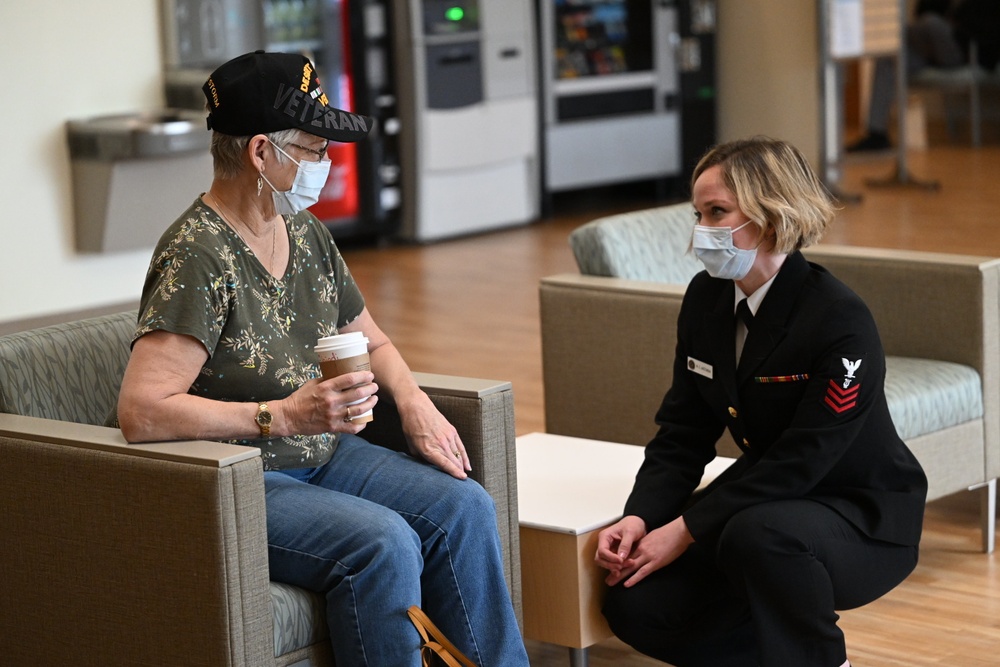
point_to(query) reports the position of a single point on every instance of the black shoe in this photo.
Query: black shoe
(873, 141)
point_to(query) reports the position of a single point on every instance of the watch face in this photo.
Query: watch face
(264, 418)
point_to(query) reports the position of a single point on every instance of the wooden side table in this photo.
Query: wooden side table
(568, 490)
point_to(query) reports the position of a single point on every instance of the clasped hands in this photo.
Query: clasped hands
(630, 553)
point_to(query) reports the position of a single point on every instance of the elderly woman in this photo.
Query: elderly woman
(240, 288)
(824, 508)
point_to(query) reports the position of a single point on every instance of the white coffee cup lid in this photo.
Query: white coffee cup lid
(350, 338)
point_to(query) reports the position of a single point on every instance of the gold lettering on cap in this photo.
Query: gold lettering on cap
(215, 93)
(307, 71)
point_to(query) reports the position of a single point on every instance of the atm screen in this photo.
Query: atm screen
(602, 37)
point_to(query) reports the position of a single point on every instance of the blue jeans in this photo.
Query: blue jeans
(376, 531)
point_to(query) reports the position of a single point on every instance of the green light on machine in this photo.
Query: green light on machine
(454, 13)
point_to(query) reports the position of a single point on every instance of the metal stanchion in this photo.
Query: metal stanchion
(902, 176)
(831, 111)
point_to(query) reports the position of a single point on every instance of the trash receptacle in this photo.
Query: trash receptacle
(133, 174)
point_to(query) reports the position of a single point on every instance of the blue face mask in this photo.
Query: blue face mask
(310, 178)
(714, 247)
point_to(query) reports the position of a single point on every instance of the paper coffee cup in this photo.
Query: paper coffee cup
(345, 353)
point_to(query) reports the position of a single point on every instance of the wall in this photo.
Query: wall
(58, 61)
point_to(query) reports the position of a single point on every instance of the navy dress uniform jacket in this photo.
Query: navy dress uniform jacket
(806, 405)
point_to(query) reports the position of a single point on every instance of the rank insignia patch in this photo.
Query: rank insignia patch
(841, 400)
(842, 393)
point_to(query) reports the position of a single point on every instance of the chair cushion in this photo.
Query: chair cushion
(651, 244)
(926, 395)
(68, 372)
(299, 618)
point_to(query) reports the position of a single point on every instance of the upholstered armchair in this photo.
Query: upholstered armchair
(608, 340)
(156, 554)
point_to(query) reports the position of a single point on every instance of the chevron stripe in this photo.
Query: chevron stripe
(841, 400)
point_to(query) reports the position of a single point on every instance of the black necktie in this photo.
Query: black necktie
(743, 312)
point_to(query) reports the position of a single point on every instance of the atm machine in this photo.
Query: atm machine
(468, 113)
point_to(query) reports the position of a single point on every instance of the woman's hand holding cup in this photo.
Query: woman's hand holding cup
(343, 354)
(331, 405)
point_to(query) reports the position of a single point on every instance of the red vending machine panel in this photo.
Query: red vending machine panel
(318, 29)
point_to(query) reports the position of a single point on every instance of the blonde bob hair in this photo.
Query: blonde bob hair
(775, 187)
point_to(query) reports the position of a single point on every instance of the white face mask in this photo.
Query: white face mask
(310, 177)
(714, 247)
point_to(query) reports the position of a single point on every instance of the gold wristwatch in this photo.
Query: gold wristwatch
(263, 419)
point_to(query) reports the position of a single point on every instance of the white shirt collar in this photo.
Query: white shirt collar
(755, 299)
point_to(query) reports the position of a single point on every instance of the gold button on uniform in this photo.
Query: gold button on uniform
(746, 443)
(732, 412)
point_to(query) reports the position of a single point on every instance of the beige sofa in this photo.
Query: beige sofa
(608, 343)
(156, 554)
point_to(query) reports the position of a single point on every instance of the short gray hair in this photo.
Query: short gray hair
(228, 151)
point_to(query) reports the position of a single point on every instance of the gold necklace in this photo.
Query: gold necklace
(227, 216)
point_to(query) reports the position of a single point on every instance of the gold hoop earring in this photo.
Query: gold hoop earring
(260, 184)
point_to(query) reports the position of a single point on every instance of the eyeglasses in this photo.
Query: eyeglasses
(319, 153)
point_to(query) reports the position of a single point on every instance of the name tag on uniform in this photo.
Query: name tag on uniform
(699, 367)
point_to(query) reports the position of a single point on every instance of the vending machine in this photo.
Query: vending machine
(696, 66)
(350, 43)
(627, 89)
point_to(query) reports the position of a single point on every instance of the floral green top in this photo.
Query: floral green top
(259, 330)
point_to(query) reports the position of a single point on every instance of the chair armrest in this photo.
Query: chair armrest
(929, 305)
(607, 352)
(100, 438)
(483, 413)
(131, 554)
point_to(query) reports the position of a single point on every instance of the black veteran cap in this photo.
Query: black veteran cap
(259, 93)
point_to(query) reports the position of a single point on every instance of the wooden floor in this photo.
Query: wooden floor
(470, 307)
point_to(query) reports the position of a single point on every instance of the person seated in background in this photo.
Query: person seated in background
(931, 41)
(978, 21)
(824, 509)
(239, 289)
